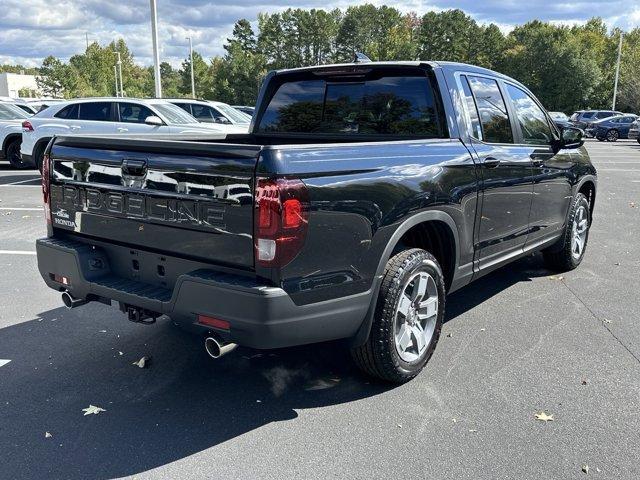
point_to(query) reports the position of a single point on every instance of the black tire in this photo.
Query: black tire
(613, 135)
(38, 155)
(13, 154)
(560, 257)
(601, 139)
(379, 356)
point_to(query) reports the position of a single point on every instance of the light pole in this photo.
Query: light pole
(115, 76)
(615, 83)
(193, 81)
(119, 64)
(156, 53)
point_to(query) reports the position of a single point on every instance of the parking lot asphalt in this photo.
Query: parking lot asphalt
(517, 342)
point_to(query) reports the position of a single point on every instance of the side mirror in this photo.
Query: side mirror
(154, 120)
(571, 137)
(222, 120)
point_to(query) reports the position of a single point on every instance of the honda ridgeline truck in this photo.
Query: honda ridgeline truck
(363, 194)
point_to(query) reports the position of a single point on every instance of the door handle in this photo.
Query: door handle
(122, 129)
(75, 127)
(490, 162)
(134, 168)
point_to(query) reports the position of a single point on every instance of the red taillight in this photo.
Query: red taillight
(281, 220)
(26, 126)
(46, 187)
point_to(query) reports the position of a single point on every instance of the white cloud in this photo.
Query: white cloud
(58, 27)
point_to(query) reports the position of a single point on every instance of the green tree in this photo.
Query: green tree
(201, 75)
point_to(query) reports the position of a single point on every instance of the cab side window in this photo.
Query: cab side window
(533, 122)
(496, 127)
(203, 113)
(470, 103)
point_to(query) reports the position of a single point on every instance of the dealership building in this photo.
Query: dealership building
(12, 83)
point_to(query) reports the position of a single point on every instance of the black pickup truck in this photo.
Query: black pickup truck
(362, 195)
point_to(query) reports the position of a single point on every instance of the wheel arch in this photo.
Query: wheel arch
(8, 139)
(588, 188)
(429, 229)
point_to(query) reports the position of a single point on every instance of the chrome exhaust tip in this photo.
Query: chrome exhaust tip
(216, 348)
(71, 302)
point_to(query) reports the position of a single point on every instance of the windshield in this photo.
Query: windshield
(174, 115)
(236, 116)
(11, 112)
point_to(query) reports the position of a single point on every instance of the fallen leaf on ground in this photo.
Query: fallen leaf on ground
(449, 335)
(92, 409)
(554, 277)
(144, 362)
(632, 204)
(120, 353)
(47, 435)
(543, 417)
(606, 320)
(584, 382)
(472, 430)
(585, 469)
(26, 216)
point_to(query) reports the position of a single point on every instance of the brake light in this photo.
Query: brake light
(26, 126)
(46, 187)
(281, 220)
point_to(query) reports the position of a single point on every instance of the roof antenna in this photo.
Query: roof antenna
(360, 58)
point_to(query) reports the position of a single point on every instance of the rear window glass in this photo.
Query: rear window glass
(392, 105)
(496, 127)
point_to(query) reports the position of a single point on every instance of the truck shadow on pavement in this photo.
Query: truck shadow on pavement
(63, 361)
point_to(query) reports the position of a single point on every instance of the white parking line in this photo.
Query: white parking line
(23, 209)
(24, 181)
(17, 252)
(3, 362)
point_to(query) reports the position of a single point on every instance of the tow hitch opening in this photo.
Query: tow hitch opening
(139, 315)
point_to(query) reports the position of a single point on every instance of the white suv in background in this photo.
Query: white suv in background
(106, 116)
(11, 118)
(223, 116)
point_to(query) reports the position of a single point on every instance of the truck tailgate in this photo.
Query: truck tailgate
(187, 199)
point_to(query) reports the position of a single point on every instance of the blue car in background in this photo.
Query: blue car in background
(613, 128)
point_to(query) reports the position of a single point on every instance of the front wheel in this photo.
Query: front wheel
(408, 318)
(612, 136)
(568, 252)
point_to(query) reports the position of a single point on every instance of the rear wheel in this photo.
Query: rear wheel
(13, 154)
(38, 156)
(568, 253)
(612, 136)
(408, 318)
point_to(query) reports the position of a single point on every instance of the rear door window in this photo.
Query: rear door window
(533, 122)
(133, 112)
(472, 110)
(185, 106)
(391, 105)
(70, 112)
(95, 111)
(494, 118)
(203, 113)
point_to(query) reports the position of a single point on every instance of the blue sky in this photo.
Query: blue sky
(37, 28)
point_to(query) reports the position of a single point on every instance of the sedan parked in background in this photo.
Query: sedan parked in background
(611, 129)
(21, 104)
(224, 116)
(104, 116)
(584, 118)
(11, 118)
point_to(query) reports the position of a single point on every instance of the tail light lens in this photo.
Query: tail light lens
(281, 220)
(26, 126)
(46, 187)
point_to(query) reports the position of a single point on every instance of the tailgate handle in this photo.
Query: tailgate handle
(136, 168)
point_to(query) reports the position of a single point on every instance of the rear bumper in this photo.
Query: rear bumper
(260, 316)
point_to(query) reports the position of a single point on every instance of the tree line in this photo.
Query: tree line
(567, 67)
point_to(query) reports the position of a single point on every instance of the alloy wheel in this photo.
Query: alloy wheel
(416, 316)
(579, 232)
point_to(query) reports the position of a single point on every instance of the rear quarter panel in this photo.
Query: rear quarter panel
(360, 194)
